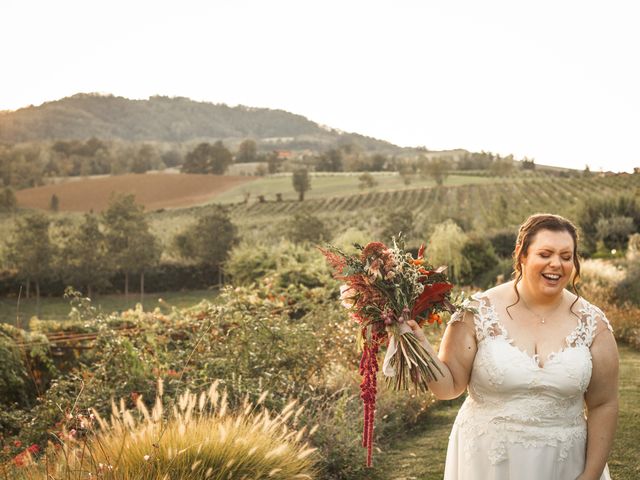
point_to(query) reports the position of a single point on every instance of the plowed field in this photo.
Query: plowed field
(153, 190)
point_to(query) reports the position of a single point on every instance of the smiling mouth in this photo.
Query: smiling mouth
(551, 276)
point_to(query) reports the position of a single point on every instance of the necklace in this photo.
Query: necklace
(542, 318)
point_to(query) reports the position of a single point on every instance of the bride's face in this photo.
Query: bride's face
(548, 266)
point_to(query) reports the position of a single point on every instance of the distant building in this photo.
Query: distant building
(284, 154)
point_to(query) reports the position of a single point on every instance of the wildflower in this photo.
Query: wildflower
(146, 457)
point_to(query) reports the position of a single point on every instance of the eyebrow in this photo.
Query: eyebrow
(549, 249)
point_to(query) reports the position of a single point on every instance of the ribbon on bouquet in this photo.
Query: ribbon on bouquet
(392, 348)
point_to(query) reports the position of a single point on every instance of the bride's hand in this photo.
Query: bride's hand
(417, 330)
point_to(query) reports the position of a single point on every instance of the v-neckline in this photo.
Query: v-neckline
(535, 358)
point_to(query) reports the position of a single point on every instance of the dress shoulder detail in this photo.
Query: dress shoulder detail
(485, 320)
(587, 328)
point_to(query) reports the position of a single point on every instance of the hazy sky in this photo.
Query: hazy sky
(558, 81)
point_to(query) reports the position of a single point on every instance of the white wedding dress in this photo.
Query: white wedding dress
(520, 420)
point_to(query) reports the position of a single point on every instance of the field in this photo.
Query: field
(325, 185)
(479, 204)
(57, 308)
(153, 190)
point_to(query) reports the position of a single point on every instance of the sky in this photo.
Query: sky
(556, 81)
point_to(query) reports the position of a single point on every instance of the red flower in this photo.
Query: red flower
(421, 251)
(33, 449)
(372, 248)
(431, 295)
(18, 460)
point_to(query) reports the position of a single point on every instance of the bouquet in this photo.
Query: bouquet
(384, 287)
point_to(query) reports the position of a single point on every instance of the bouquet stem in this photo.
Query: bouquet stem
(413, 364)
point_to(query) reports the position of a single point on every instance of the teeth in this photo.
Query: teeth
(551, 276)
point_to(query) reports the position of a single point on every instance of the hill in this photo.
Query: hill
(177, 119)
(153, 190)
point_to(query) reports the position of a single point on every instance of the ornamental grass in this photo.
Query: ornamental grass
(199, 438)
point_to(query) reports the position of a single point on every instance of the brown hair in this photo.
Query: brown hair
(527, 232)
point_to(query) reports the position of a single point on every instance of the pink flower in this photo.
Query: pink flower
(347, 296)
(374, 269)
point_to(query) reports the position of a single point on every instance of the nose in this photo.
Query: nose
(554, 261)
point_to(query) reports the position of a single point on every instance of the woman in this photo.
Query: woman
(531, 357)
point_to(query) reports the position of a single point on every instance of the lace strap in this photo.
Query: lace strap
(485, 320)
(588, 326)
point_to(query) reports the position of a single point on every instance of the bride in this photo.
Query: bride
(540, 365)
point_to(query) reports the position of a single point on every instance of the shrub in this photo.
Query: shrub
(609, 220)
(304, 227)
(482, 267)
(286, 263)
(628, 289)
(25, 367)
(396, 222)
(201, 439)
(503, 243)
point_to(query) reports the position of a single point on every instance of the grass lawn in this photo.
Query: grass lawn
(421, 453)
(336, 185)
(57, 308)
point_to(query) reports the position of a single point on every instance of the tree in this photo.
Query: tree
(528, 164)
(330, 161)
(207, 158)
(502, 167)
(482, 262)
(445, 247)
(8, 201)
(436, 168)
(614, 231)
(396, 222)
(209, 240)
(130, 244)
(85, 257)
(367, 180)
(171, 158)
(30, 251)
(54, 204)
(596, 209)
(306, 227)
(301, 182)
(377, 162)
(247, 152)
(273, 162)
(143, 159)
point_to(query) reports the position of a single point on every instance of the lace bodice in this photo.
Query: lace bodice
(512, 398)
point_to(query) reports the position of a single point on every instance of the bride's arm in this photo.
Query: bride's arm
(455, 359)
(602, 404)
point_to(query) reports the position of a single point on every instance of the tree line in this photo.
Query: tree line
(117, 241)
